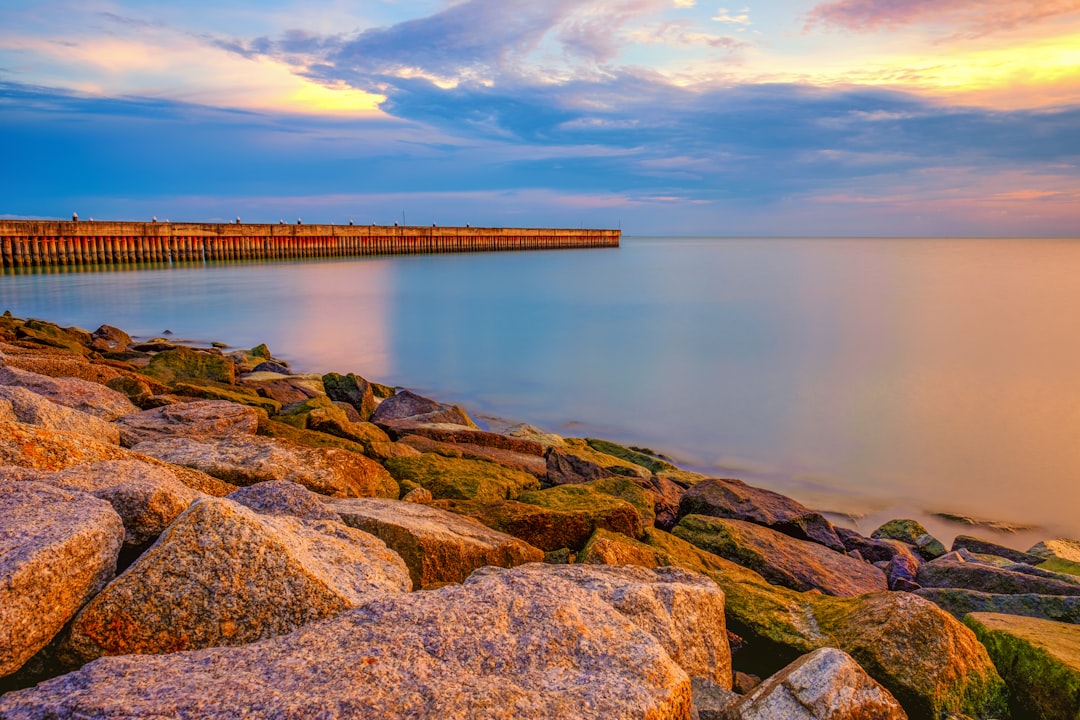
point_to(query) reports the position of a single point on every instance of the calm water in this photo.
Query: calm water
(865, 376)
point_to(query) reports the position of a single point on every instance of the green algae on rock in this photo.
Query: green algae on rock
(913, 533)
(185, 363)
(461, 479)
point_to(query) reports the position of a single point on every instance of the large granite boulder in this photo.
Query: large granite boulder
(109, 339)
(57, 549)
(224, 575)
(1040, 660)
(185, 363)
(872, 550)
(954, 571)
(281, 497)
(213, 390)
(499, 647)
(958, 602)
(408, 406)
(931, 663)
(250, 459)
(37, 448)
(781, 559)
(507, 458)
(88, 397)
(681, 609)
(41, 332)
(913, 533)
(437, 546)
(146, 497)
(826, 684)
(200, 419)
(1057, 549)
(461, 479)
(736, 500)
(33, 409)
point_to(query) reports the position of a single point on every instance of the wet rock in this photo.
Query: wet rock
(684, 611)
(33, 409)
(211, 390)
(407, 405)
(499, 647)
(871, 550)
(109, 339)
(913, 533)
(57, 549)
(282, 497)
(780, 559)
(959, 602)
(352, 389)
(146, 497)
(710, 699)
(437, 546)
(826, 684)
(285, 389)
(566, 469)
(224, 575)
(184, 363)
(529, 432)
(1040, 660)
(931, 663)
(460, 478)
(977, 545)
(902, 572)
(273, 366)
(456, 434)
(953, 571)
(531, 464)
(52, 335)
(200, 419)
(736, 500)
(88, 397)
(250, 459)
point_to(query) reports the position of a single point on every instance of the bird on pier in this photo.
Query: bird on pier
(74, 217)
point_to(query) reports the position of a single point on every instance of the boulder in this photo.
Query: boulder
(200, 419)
(286, 390)
(57, 549)
(684, 611)
(566, 469)
(310, 412)
(736, 500)
(52, 335)
(913, 533)
(352, 389)
(903, 572)
(959, 602)
(211, 390)
(437, 546)
(185, 363)
(1058, 549)
(499, 647)
(985, 547)
(1040, 660)
(58, 364)
(37, 448)
(458, 434)
(224, 575)
(605, 547)
(529, 432)
(872, 550)
(780, 559)
(282, 497)
(89, 397)
(568, 525)
(460, 478)
(109, 339)
(826, 684)
(931, 663)
(250, 459)
(531, 464)
(710, 699)
(602, 503)
(146, 497)
(33, 409)
(407, 405)
(953, 571)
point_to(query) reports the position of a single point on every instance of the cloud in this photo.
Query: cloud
(970, 17)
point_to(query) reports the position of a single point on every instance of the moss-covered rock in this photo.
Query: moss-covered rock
(1058, 565)
(929, 661)
(597, 503)
(208, 390)
(611, 548)
(308, 413)
(627, 489)
(958, 602)
(619, 466)
(352, 389)
(52, 335)
(1040, 660)
(184, 363)
(913, 533)
(308, 438)
(461, 479)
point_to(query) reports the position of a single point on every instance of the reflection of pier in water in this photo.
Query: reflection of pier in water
(41, 244)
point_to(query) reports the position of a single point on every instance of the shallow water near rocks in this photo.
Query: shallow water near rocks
(866, 377)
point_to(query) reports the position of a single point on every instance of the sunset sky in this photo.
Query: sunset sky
(786, 117)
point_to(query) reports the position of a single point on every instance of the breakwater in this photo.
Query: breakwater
(32, 244)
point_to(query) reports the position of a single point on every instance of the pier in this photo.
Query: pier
(33, 244)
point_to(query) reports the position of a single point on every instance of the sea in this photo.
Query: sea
(869, 378)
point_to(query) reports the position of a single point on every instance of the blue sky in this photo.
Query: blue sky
(791, 117)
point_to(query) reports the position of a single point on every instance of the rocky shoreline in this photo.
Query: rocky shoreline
(197, 532)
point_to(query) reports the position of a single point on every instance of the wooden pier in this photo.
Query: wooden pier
(32, 244)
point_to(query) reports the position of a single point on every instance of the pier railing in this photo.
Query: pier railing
(38, 244)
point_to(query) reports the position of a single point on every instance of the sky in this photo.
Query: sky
(682, 117)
